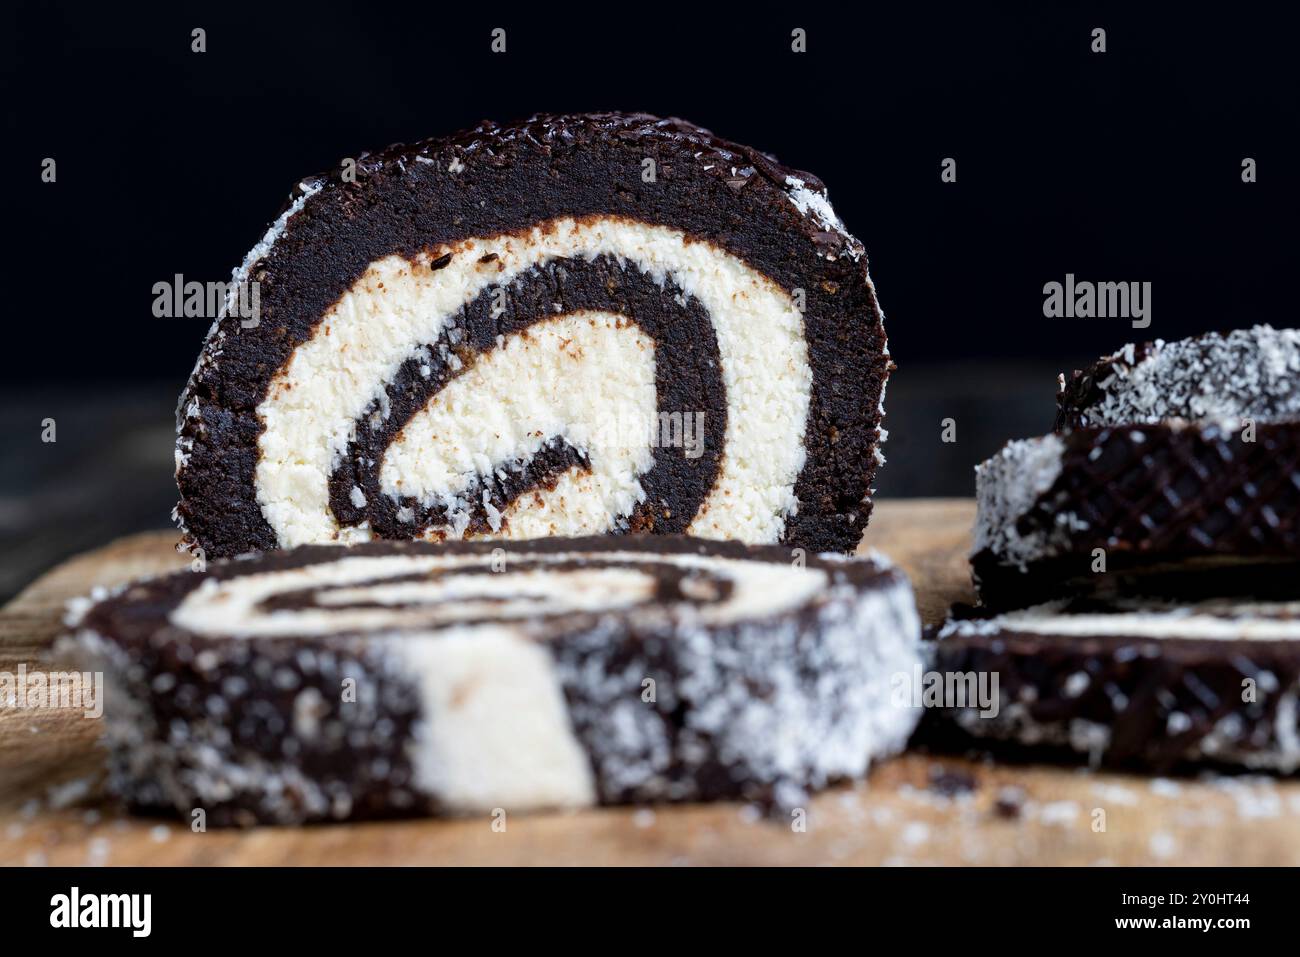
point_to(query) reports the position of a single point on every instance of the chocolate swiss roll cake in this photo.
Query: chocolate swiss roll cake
(1139, 685)
(575, 325)
(1243, 374)
(1177, 510)
(401, 678)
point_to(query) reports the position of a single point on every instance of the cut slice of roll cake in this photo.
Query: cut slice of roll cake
(575, 325)
(399, 678)
(1175, 473)
(1137, 684)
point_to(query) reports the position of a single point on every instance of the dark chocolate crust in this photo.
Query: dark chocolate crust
(1179, 510)
(404, 201)
(204, 708)
(1153, 704)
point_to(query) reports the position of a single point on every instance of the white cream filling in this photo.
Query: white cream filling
(467, 598)
(494, 728)
(231, 607)
(588, 377)
(1222, 621)
(397, 307)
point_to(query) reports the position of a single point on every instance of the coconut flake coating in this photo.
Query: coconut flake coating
(1137, 684)
(410, 678)
(1244, 374)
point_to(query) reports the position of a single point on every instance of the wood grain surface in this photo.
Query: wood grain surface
(916, 809)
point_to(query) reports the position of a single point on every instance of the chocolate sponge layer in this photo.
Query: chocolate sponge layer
(497, 180)
(1173, 510)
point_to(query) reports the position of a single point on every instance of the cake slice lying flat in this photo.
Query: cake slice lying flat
(1174, 510)
(327, 683)
(1142, 685)
(576, 325)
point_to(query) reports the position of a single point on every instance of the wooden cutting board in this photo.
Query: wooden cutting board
(916, 809)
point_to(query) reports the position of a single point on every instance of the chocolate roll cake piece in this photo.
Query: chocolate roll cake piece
(1244, 374)
(401, 678)
(1135, 685)
(575, 325)
(1177, 510)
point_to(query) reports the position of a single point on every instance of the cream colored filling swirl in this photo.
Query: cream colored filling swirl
(398, 306)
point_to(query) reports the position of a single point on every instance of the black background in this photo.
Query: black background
(1115, 166)
(1122, 166)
